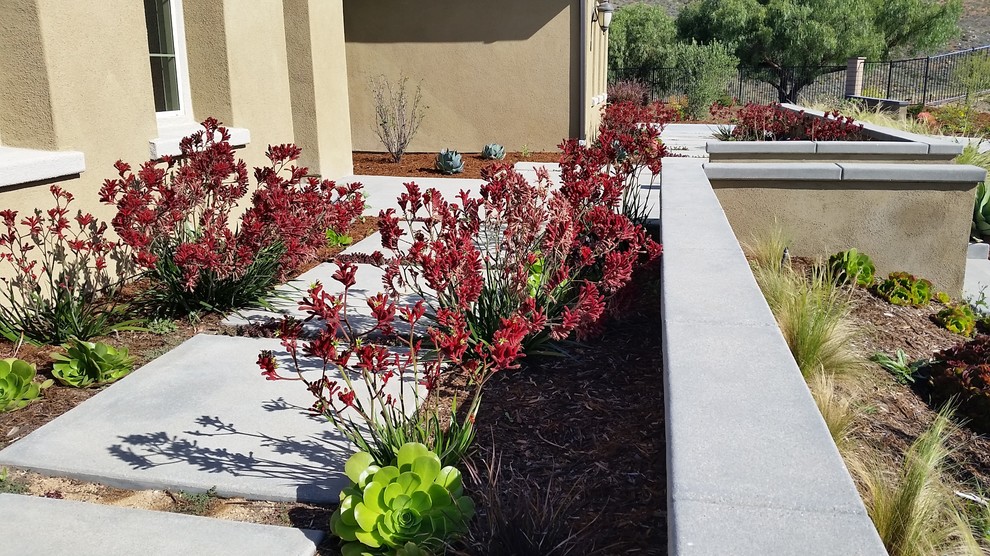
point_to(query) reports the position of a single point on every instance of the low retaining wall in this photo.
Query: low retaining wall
(887, 145)
(751, 467)
(912, 217)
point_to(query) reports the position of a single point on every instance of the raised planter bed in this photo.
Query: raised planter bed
(896, 196)
(884, 145)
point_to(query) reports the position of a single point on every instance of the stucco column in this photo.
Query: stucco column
(854, 76)
(318, 84)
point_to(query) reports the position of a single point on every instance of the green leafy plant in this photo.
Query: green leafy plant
(493, 151)
(958, 318)
(335, 239)
(852, 266)
(17, 385)
(161, 326)
(904, 371)
(195, 503)
(415, 500)
(943, 298)
(981, 211)
(9, 485)
(901, 288)
(449, 162)
(91, 364)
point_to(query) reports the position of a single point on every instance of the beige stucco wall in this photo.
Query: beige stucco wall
(75, 76)
(921, 228)
(83, 90)
(596, 77)
(504, 72)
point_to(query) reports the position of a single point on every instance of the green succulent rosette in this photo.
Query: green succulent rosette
(413, 505)
(17, 386)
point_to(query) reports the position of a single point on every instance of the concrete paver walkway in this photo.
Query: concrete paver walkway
(200, 416)
(33, 526)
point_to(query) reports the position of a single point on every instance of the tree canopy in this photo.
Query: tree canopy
(795, 40)
(639, 35)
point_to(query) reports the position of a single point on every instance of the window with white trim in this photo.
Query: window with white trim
(167, 50)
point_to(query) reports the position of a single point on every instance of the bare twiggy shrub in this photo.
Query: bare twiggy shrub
(396, 114)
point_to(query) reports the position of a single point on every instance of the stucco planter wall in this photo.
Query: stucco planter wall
(912, 217)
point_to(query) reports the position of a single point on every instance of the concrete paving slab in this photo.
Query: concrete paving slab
(201, 416)
(42, 526)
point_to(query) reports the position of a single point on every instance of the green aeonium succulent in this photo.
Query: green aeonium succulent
(91, 364)
(17, 386)
(387, 508)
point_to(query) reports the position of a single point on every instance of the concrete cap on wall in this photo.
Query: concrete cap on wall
(812, 171)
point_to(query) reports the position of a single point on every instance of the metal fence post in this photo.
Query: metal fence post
(924, 84)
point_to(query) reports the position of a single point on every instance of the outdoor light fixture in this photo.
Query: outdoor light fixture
(603, 15)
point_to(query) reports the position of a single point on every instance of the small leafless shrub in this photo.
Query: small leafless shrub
(397, 116)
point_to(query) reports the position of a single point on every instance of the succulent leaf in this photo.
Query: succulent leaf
(409, 508)
(17, 386)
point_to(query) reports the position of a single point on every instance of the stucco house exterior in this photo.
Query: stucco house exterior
(88, 82)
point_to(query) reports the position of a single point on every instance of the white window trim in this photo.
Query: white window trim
(176, 124)
(184, 114)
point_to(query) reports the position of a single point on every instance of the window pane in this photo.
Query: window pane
(163, 77)
(158, 16)
(161, 46)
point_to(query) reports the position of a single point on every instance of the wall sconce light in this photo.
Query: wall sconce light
(603, 15)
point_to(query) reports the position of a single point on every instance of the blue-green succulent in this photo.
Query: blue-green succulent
(493, 151)
(412, 505)
(449, 162)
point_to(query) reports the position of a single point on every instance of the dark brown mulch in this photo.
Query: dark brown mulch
(589, 427)
(421, 164)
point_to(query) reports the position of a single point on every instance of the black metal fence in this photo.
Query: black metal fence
(929, 80)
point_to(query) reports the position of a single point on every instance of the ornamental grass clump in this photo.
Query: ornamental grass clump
(914, 508)
(413, 500)
(366, 379)
(813, 314)
(55, 281)
(175, 217)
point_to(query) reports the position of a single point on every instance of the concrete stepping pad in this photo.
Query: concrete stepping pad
(201, 416)
(41, 526)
